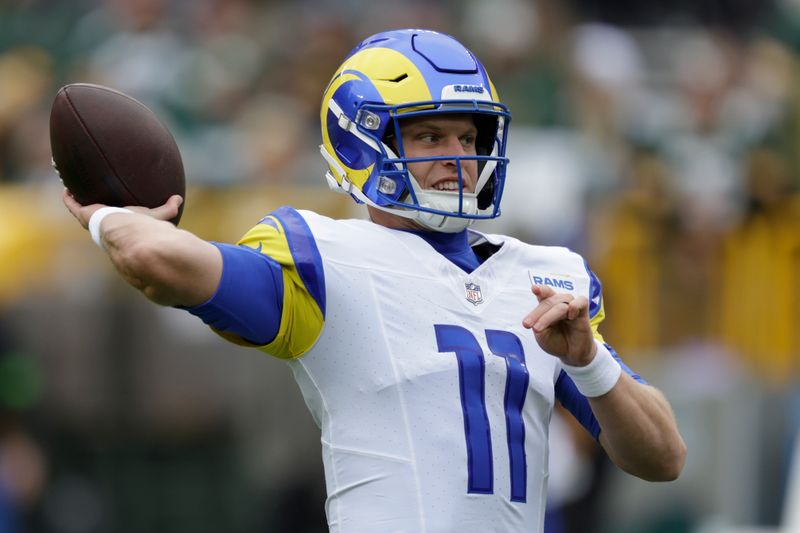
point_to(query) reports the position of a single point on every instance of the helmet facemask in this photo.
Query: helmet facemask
(399, 191)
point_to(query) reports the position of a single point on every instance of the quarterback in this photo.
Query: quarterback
(429, 354)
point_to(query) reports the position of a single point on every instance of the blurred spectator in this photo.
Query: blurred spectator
(631, 232)
(760, 282)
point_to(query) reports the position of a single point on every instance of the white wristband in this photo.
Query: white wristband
(599, 376)
(97, 218)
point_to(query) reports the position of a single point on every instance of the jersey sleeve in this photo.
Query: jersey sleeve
(597, 311)
(246, 307)
(565, 389)
(284, 237)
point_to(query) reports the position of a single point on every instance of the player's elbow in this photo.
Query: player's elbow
(674, 460)
(667, 464)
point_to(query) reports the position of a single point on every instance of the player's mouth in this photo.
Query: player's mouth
(446, 185)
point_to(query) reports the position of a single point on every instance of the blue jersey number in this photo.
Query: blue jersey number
(471, 380)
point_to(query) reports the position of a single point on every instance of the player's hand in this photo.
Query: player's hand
(84, 212)
(561, 325)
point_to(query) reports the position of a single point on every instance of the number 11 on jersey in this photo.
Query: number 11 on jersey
(472, 380)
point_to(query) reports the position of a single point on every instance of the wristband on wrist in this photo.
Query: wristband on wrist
(97, 218)
(599, 376)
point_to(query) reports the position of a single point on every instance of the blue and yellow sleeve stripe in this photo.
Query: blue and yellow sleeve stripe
(597, 311)
(284, 236)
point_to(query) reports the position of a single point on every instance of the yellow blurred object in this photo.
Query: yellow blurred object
(629, 236)
(25, 75)
(630, 271)
(761, 291)
(27, 242)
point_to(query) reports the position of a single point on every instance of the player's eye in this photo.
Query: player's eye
(468, 141)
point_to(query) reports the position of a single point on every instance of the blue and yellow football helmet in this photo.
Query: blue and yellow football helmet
(407, 73)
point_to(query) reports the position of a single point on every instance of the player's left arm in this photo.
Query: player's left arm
(638, 428)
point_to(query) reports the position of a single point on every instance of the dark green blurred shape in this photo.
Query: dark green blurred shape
(20, 382)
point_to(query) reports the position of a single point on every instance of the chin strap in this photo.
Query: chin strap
(443, 223)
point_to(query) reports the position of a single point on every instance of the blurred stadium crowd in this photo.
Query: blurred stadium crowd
(660, 141)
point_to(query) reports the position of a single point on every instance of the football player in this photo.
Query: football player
(429, 354)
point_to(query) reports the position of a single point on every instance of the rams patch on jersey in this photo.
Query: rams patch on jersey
(553, 280)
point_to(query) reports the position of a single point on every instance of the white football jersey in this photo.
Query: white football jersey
(433, 400)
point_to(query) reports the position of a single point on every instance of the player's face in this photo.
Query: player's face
(443, 135)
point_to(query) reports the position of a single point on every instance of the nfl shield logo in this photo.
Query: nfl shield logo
(474, 295)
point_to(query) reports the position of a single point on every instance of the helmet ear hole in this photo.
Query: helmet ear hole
(486, 195)
(487, 133)
(389, 137)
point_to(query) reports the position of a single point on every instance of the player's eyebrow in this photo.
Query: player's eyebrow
(422, 124)
(432, 125)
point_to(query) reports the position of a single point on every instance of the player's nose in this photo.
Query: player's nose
(453, 146)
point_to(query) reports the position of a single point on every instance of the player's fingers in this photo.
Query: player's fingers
(82, 212)
(69, 201)
(555, 313)
(533, 318)
(545, 305)
(72, 205)
(577, 307)
(542, 292)
(176, 199)
(169, 210)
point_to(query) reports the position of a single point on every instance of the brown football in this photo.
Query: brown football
(109, 148)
